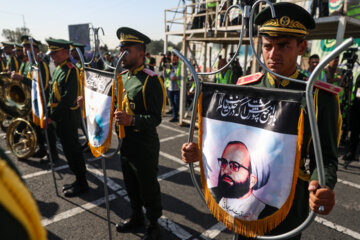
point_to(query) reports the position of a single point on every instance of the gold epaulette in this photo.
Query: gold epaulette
(328, 87)
(249, 79)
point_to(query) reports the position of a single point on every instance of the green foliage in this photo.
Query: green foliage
(14, 36)
(157, 46)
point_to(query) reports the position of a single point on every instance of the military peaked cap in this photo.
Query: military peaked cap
(25, 39)
(129, 36)
(18, 46)
(291, 20)
(58, 44)
(8, 44)
(75, 45)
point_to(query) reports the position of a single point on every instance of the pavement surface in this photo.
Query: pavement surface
(185, 216)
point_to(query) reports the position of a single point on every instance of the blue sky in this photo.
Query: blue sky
(51, 18)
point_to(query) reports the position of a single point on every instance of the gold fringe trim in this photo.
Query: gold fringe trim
(120, 87)
(97, 151)
(143, 92)
(256, 227)
(17, 199)
(340, 121)
(36, 120)
(82, 91)
(164, 96)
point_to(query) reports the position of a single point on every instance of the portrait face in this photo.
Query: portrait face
(313, 63)
(235, 178)
(134, 57)
(280, 54)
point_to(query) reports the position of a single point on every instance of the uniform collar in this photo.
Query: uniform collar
(284, 82)
(62, 64)
(136, 70)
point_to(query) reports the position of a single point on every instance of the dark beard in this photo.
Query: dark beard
(235, 191)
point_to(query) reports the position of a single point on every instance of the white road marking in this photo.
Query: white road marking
(338, 228)
(163, 221)
(171, 157)
(174, 228)
(213, 231)
(75, 211)
(178, 130)
(39, 173)
(173, 137)
(349, 183)
(172, 128)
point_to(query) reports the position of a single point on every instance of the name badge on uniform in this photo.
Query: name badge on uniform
(358, 93)
(132, 106)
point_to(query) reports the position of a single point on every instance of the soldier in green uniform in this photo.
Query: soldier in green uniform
(19, 53)
(75, 54)
(11, 61)
(143, 101)
(25, 74)
(2, 63)
(63, 113)
(283, 39)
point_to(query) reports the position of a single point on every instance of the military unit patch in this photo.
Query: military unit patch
(327, 87)
(250, 78)
(149, 72)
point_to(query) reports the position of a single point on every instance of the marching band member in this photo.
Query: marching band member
(143, 101)
(283, 39)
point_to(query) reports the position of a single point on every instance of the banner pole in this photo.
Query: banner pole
(106, 196)
(193, 118)
(45, 112)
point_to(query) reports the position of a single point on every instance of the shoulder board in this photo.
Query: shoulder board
(149, 72)
(249, 79)
(123, 72)
(328, 87)
(70, 65)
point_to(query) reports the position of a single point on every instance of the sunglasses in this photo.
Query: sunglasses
(235, 166)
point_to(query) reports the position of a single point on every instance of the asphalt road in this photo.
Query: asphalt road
(185, 216)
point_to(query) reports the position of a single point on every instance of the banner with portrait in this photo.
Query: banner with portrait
(37, 102)
(250, 140)
(99, 89)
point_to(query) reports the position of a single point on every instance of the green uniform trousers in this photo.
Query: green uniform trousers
(139, 161)
(67, 132)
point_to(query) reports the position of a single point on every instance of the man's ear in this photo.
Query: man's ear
(253, 180)
(302, 47)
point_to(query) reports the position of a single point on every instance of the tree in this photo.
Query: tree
(157, 46)
(15, 36)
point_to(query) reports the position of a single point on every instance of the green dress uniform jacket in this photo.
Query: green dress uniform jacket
(2, 65)
(13, 64)
(327, 119)
(143, 97)
(63, 111)
(25, 71)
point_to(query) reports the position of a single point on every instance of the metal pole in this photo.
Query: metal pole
(104, 156)
(193, 117)
(106, 197)
(82, 60)
(44, 109)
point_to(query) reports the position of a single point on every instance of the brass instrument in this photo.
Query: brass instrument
(15, 97)
(21, 138)
(15, 102)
